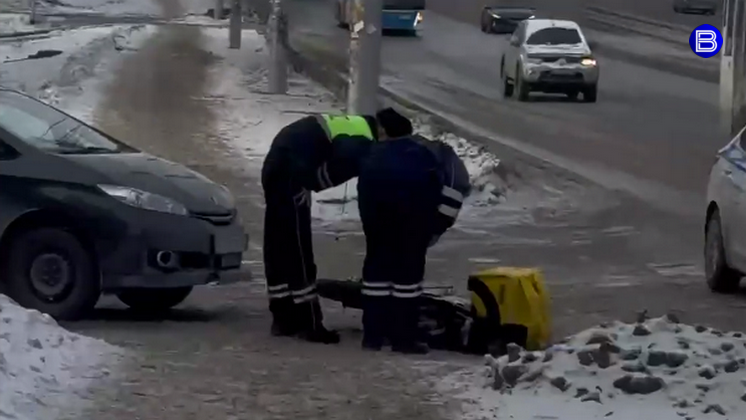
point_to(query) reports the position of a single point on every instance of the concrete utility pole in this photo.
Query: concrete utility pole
(218, 12)
(32, 18)
(278, 39)
(235, 26)
(365, 57)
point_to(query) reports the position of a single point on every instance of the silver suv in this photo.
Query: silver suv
(551, 56)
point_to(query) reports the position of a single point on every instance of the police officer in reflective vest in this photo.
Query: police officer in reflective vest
(410, 191)
(312, 154)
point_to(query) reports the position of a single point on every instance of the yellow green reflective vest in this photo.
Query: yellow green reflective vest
(345, 125)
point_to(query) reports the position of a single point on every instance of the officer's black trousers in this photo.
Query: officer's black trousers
(289, 264)
(397, 233)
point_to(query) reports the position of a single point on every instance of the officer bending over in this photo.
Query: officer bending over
(312, 154)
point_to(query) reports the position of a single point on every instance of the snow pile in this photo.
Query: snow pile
(101, 7)
(14, 23)
(72, 78)
(488, 189)
(655, 369)
(200, 20)
(42, 365)
(247, 117)
(482, 165)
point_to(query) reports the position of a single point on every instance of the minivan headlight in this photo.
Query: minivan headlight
(144, 200)
(589, 62)
(229, 197)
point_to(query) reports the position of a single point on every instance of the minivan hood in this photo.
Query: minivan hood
(159, 176)
(574, 49)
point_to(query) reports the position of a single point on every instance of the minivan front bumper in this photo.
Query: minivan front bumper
(560, 74)
(162, 250)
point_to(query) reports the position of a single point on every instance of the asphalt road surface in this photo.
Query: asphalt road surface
(468, 10)
(652, 133)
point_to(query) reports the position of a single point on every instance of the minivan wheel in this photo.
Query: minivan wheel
(720, 277)
(49, 270)
(521, 86)
(507, 86)
(590, 93)
(153, 300)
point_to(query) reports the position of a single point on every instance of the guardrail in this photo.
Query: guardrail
(665, 31)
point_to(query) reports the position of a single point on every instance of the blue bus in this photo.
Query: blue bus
(398, 15)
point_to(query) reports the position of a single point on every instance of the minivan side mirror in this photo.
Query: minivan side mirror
(514, 41)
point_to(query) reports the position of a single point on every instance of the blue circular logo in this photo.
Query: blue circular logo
(706, 41)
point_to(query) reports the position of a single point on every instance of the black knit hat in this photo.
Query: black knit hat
(393, 123)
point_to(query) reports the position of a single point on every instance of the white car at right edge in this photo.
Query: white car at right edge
(551, 56)
(725, 226)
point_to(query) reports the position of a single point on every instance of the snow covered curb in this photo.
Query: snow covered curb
(482, 165)
(71, 79)
(43, 367)
(17, 24)
(654, 369)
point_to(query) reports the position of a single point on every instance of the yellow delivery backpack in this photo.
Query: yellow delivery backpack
(509, 305)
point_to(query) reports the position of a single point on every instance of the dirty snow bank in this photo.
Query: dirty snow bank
(101, 7)
(71, 79)
(247, 117)
(43, 367)
(13, 23)
(488, 189)
(656, 369)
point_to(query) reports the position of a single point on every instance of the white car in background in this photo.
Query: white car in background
(551, 56)
(725, 227)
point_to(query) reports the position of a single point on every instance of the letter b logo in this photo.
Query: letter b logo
(705, 41)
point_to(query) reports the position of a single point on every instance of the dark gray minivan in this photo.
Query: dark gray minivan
(83, 214)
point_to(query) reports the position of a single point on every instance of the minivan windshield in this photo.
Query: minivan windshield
(554, 36)
(45, 128)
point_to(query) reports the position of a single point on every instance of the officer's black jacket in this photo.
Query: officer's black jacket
(454, 181)
(304, 149)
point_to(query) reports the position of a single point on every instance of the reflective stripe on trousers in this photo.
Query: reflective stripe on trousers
(407, 291)
(279, 291)
(402, 291)
(307, 294)
(376, 289)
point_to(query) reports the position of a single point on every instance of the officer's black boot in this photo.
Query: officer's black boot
(284, 318)
(406, 332)
(313, 330)
(375, 322)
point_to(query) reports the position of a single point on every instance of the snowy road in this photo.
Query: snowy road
(468, 10)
